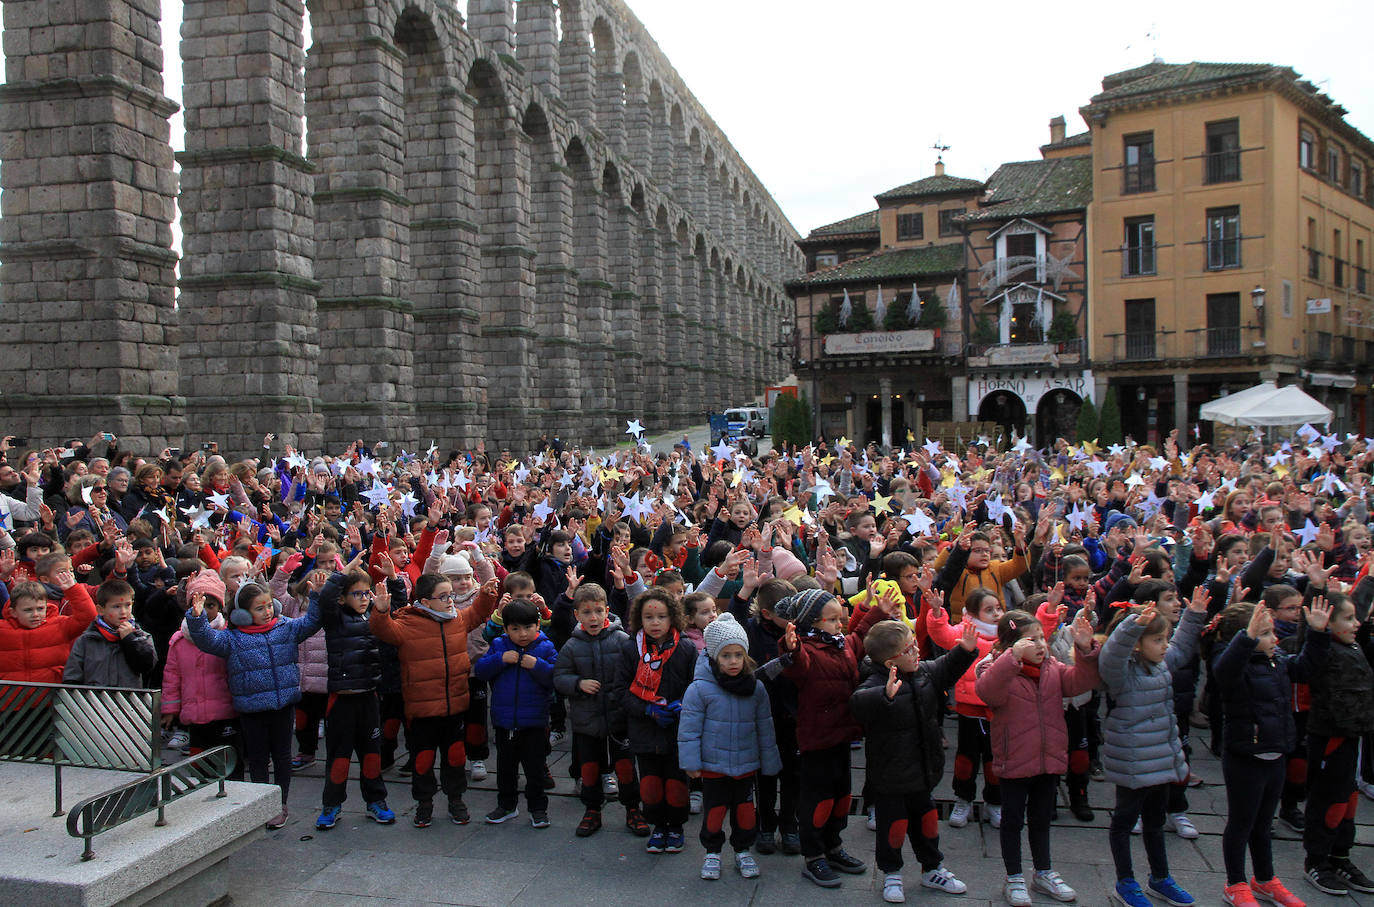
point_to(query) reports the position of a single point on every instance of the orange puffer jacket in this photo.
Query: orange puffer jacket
(40, 654)
(434, 654)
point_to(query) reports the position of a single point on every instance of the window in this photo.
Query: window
(1223, 152)
(1333, 163)
(826, 260)
(1314, 255)
(947, 225)
(1138, 254)
(1307, 150)
(1021, 245)
(911, 226)
(1223, 238)
(1361, 276)
(1223, 324)
(1140, 329)
(1337, 263)
(1356, 178)
(1138, 173)
(1025, 321)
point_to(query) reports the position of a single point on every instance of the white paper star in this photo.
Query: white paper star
(198, 517)
(931, 447)
(296, 461)
(1206, 500)
(822, 490)
(1330, 442)
(378, 495)
(1308, 533)
(723, 451)
(1116, 450)
(368, 467)
(1134, 479)
(565, 481)
(542, 511)
(1158, 463)
(521, 474)
(995, 509)
(1077, 516)
(1308, 433)
(409, 503)
(918, 524)
(1097, 468)
(1021, 446)
(634, 428)
(220, 500)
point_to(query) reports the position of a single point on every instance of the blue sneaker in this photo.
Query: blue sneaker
(329, 817)
(1127, 892)
(380, 812)
(657, 842)
(675, 841)
(1167, 890)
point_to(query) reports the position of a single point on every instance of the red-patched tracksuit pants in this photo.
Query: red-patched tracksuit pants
(352, 724)
(441, 736)
(597, 756)
(907, 816)
(824, 800)
(722, 795)
(663, 788)
(1329, 829)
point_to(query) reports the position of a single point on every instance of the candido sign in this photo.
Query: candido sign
(1029, 389)
(914, 341)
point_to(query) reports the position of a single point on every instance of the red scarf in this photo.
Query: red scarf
(109, 634)
(649, 674)
(261, 628)
(1031, 671)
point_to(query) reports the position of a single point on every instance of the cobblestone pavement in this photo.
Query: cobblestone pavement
(359, 862)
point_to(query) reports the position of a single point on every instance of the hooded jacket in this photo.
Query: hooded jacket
(601, 658)
(355, 664)
(434, 654)
(966, 699)
(519, 696)
(39, 655)
(195, 684)
(100, 662)
(826, 677)
(261, 666)
(724, 733)
(644, 733)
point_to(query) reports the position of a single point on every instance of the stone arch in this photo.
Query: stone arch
(638, 120)
(661, 137)
(593, 287)
(610, 85)
(677, 132)
(696, 172)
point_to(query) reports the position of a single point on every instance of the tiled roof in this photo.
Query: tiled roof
(931, 185)
(1028, 188)
(888, 265)
(1159, 77)
(859, 223)
(1083, 139)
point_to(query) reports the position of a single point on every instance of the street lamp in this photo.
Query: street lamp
(1257, 298)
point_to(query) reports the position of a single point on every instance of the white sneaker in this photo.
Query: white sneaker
(744, 862)
(710, 867)
(609, 786)
(1365, 788)
(872, 821)
(694, 802)
(1182, 826)
(994, 815)
(941, 879)
(477, 770)
(1138, 827)
(958, 816)
(1051, 884)
(556, 737)
(1015, 892)
(179, 740)
(892, 888)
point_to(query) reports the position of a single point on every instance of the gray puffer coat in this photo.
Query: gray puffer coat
(600, 657)
(1141, 747)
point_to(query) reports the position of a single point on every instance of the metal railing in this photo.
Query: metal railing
(141, 796)
(1139, 346)
(1139, 261)
(1138, 178)
(1221, 167)
(1220, 342)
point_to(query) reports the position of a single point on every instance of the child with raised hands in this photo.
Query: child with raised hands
(1056, 610)
(1142, 753)
(1023, 687)
(725, 739)
(1254, 681)
(898, 706)
(982, 609)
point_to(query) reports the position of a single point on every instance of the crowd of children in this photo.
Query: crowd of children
(718, 633)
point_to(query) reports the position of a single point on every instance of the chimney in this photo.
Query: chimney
(939, 168)
(1056, 130)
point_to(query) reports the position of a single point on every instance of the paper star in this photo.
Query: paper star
(430, 452)
(198, 517)
(339, 467)
(958, 496)
(86, 494)
(1097, 468)
(723, 451)
(1116, 450)
(296, 461)
(741, 477)
(1057, 474)
(1308, 533)
(409, 503)
(931, 447)
(482, 535)
(843, 443)
(1205, 501)
(521, 474)
(984, 440)
(1077, 516)
(1134, 479)
(910, 436)
(1330, 483)
(460, 480)
(1330, 442)
(1158, 463)
(917, 522)
(378, 495)
(612, 475)
(995, 509)
(542, 511)
(1276, 459)
(822, 490)
(1308, 433)
(793, 516)
(220, 501)
(565, 481)
(1021, 446)
(881, 504)
(368, 467)
(634, 428)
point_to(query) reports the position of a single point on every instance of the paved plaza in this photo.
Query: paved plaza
(359, 862)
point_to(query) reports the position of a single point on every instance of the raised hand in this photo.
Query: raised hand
(198, 604)
(1200, 600)
(381, 598)
(1318, 616)
(894, 683)
(968, 637)
(1082, 630)
(789, 637)
(1146, 614)
(1262, 621)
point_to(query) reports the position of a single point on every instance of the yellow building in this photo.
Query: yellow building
(1230, 229)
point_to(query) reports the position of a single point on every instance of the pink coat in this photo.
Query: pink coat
(194, 684)
(1026, 717)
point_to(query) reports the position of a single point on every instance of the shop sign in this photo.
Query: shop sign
(874, 342)
(1028, 387)
(1022, 354)
(1319, 306)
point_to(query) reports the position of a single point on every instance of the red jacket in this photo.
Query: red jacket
(1026, 717)
(40, 654)
(966, 699)
(825, 678)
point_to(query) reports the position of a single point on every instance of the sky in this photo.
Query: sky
(831, 103)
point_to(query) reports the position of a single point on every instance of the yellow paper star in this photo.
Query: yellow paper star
(793, 516)
(1090, 447)
(827, 461)
(948, 479)
(843, 443)
(909, 435)
(881, 504)
(1072, 451)
(611, 475)
(1057, 474)
(738, 478)
(1280, 470)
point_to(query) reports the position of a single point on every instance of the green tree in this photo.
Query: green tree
(1109, 420)
(895, 319)
(1087, 422)
(791, 421)
(933, 314)
(861, 319)
(826, 321)
(984, 332)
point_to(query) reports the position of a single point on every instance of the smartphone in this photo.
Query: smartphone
(107, 436)
(18, 442)
(205, 446)
(174, 452)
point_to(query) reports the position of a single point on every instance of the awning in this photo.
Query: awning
(1266, 405)
(1330, 379)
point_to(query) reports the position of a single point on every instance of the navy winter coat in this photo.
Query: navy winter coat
(355, 661)
(261, 667)
(1257, 693)
(724, 733)
(519, 696)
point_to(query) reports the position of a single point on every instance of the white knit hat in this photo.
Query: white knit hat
(724, 631)
(456, 565)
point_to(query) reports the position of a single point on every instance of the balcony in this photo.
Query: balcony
(1314, 264)
(1222, 254)
(1139, 261)
(1221, 167)
(1319, 345)
(1221, 342)
(1137, 178)
(1139, 346)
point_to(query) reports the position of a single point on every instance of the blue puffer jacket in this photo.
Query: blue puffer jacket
(1141, 746)
(725, 733)
(519, 696)
(261, 667)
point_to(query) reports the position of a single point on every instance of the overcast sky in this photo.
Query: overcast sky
(831, 103)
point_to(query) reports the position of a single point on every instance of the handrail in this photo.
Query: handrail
(135, 798)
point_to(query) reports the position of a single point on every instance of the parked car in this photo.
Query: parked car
(747, 420)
